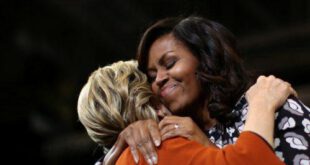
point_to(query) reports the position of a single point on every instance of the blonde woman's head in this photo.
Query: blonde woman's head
(113, 97)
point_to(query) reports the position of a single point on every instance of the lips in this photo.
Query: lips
(167, 90)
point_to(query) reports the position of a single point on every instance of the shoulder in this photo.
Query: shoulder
(292, 114)
(295, 106)
(166, 152)
(292, 130)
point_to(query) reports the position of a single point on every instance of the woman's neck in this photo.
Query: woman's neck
(202, 117)
(208, 122)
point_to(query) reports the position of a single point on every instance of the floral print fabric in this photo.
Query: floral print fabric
(292, 131)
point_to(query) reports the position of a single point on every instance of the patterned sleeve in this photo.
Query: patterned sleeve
(99, 161)
(292, 132)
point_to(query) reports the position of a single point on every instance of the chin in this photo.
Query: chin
(179, 111)
(174, 110)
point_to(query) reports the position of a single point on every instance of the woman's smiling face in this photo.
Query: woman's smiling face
(171, 69)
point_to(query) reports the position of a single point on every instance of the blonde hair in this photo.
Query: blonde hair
(113, 97)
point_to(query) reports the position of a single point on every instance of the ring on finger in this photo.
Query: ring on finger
(176, 126)
(139, 145)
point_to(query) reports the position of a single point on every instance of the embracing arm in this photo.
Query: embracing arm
(174, 126)
(141, 135)
(265, 97)
(145, 135)
(249, 149)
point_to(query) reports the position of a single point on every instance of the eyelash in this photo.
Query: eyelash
(170, 64)
(167, 65)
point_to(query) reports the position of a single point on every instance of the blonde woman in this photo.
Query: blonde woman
(117, 95)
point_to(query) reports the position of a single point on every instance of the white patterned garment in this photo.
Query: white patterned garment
(292, 131)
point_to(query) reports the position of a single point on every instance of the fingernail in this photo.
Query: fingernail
(157, 143)
(154, 159)
(149, 161)
(136, 159)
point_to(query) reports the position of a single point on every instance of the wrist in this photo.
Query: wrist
(261, 108)
(261, 121)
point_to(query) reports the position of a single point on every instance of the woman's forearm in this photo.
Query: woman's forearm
(261, 121)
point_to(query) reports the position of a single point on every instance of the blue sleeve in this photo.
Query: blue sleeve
(292, 132)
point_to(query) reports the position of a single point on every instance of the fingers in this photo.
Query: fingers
(145, 143)
(270, 91)
(293, 92)
(128, 136)
(138, 137)
(169, 120)
(147, 149)
(135, 154)
(155, 133)
(289, 89)
(172, 126)
(172, 130)
(114, 153)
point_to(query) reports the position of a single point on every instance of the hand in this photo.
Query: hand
(265, 97)
(172, 126)
(143, 135)
(114, 153)
(269, 93)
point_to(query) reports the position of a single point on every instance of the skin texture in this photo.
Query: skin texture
(264, 97)
(171, 70)
(172, 73)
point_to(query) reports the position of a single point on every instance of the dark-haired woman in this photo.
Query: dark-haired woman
(195, 69)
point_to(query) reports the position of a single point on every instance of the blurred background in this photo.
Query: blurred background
(49, 47)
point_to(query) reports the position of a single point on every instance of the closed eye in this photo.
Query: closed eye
(170, 63)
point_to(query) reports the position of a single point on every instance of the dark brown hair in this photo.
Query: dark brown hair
(221, 72)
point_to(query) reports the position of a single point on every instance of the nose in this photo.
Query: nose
(161, 78)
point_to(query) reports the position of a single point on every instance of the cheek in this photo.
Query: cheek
(180, 72)
(193, 86)
(154, 88)
(185, 71)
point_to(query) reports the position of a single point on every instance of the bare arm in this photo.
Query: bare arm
(264, 98)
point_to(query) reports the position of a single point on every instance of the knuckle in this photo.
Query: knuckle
(151, 127)
(145, 140)
(169, 134)
(261, 77)
(188, 118)
(148, 121)
(271, 76)
(125, 134)
(139, 122)
(163, 120)
(190, 133)
(287, 87)
(133, 149)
